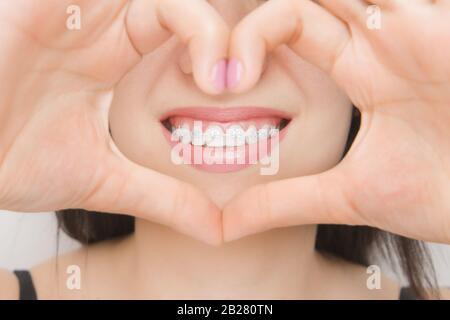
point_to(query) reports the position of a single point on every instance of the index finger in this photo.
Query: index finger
(311, 31)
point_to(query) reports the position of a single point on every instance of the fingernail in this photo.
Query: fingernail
(234, 73)
(219, 74)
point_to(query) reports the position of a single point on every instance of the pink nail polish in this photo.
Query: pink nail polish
(234, 73)
(219, 74)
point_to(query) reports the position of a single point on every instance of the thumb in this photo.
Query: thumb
(316, 199)
(127, 188)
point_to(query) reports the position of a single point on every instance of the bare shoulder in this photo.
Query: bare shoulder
(357, 282)
(9, 286)
(445, 293)
(45, 276)
(374, 284)
(56, 278)
(354, 281)
(48, 276)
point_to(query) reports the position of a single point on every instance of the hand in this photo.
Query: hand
(57, 86)
(397, 174)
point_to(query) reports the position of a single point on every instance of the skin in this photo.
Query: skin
(70, 121)
(292, 72)
(396, 176)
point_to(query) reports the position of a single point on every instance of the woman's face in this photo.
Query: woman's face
(290, 90)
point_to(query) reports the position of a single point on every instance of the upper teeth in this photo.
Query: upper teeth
(182, 134)
(214, 136)
(235, 136)
(197, 134)
(252, 135)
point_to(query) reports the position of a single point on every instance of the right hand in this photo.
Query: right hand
(56, 88)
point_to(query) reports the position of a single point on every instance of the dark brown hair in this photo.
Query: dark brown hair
(357, 244)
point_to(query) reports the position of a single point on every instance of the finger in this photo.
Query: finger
(384, 3)
(317, 199)
(351, 11)
(196, 23)
(388, 4)
(310, 30)
(127, 188)
(396, 4)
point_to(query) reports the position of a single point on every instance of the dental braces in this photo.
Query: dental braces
(214, 136)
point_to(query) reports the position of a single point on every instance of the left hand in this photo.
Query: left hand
(396, 176)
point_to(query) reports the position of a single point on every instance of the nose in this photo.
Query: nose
(232, 11)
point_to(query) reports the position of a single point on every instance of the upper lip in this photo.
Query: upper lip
(228, 114)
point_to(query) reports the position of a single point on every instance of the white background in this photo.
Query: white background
(28, 239)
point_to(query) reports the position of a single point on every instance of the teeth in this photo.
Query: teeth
(263, 133)
(274, 132)
(266, 132)
(235, 136)
(197, 134)
(251, 135)
(214, 136)
(181, 134)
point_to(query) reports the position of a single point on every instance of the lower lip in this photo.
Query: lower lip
(233, 165)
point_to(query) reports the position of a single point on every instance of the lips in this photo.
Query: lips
(226, 139)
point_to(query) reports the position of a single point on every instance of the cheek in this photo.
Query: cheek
(133, 126)
(317, 139)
